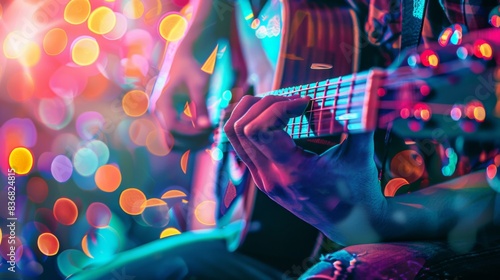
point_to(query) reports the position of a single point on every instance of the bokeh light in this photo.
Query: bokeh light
(89, 125)
(61, 168)
(85, 162)
(184, 161)
(173, 27)
(136, 66)
(407, 164)
(155, 213)
(102, 243)
(13, 45)
(393, 186)
(119, 29)
(133, 9)
(169, 232)
(55, 41)
(85, 246)
(108, 178)
(209, 65)
(18, 132)
(48, 244)
(76, 97)
(132, 201)
(102, 20)
(77, 11)
(139, 130)
(55, 113)
(205, 212)
(65, 211)
(30, 54)
(5, 248)
(85, 51)
(98, 215)
(21, 160)
(135, 103)
(101, 150)
(159, 143)
(187, 110)
(173, 194)
(72, 261)
(37, 189)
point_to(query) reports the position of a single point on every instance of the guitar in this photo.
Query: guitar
(434, 92)
(437, 92)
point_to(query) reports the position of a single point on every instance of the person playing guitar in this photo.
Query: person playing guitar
(406, 200)
(341, 192)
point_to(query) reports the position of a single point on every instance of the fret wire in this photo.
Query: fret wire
(342, 93)
(342, 106)
(311, 113)
(405, 78)
(323, 132)
(335, 98)
(293, 125)
(357, 121)
(349, 99)
(322, 106)
(361, 79)
(341, 87)
(300, 120)
(358, 117)
(293, 121)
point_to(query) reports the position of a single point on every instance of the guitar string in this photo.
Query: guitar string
(341, 80)
(305, 90)
(291, 127)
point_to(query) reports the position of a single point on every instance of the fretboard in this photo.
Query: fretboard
(337, 105)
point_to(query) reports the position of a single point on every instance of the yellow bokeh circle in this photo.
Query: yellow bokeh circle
(77, 11)
(14, 44)
(133, 9)
(85, 51)
(21, 160)
(102, 20)
(173, 27)
(30, 54)
(169, 232)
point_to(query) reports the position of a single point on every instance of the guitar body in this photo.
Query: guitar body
(286, 43)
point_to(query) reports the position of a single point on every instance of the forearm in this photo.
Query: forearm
(454, 210)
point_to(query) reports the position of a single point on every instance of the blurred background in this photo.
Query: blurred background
(95, 175)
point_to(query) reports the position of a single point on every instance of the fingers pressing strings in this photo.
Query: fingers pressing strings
(244, 132)
(266, 130)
